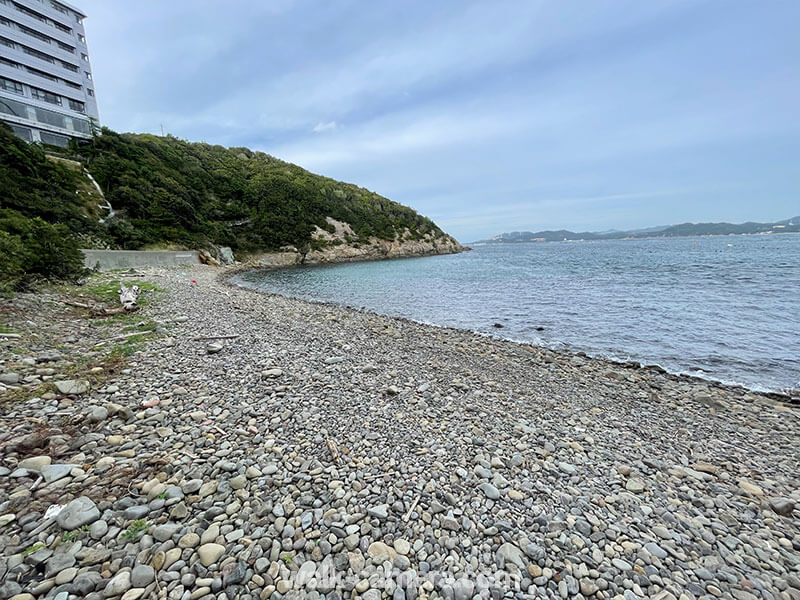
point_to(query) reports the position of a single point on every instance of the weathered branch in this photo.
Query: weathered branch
(98, 310)
(411, 508)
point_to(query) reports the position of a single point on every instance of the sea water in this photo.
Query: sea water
(725, 308)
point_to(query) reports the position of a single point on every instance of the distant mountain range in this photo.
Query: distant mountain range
(683, 230)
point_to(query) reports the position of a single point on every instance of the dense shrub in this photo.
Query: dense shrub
(31, 248)
(40, 214)
(38, 187)
(12, 263)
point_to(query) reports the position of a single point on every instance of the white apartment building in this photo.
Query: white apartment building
(46, 89)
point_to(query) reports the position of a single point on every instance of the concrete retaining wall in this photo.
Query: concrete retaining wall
(125, 259)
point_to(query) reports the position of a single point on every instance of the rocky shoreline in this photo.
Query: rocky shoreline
(328, 452)
(344, 253)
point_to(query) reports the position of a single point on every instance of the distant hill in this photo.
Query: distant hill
(682, 230)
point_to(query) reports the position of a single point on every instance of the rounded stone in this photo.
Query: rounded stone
(190, 540)
(635, 486)
(66, 575)
(142, 576)
(210, 553)
(81, 511)
(402, 546)
(118, 585)
(98, 529)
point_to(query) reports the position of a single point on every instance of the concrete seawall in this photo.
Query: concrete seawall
(108, 260)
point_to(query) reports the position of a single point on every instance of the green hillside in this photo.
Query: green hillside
(167, 192)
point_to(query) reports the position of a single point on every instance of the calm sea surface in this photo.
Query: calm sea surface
(725, 308)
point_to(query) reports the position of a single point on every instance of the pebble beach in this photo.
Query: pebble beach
(254, 446)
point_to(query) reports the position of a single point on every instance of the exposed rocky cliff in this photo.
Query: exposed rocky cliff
(341, 246)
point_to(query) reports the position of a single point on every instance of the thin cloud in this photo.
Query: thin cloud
(325, 127)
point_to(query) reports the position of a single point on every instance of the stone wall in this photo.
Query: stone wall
(108, 260)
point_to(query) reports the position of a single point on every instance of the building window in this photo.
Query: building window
(30, 13)
(23, 132)
(85, 57)
(6, 42)
(66, 47)
(46, 96)
(42, 115)
(77, 106)
(39, 73)
(12, 107)
(69, 66)
(81, 38)
(63, 28)
(59, 8)
(9, 63)
(11, 86)
(39, 55)
(34, 33)
(88, 76)
(53, 139)
(90, 91)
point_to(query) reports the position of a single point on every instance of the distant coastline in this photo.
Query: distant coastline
(791, 225)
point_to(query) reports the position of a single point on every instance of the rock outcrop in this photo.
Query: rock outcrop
(342, 245)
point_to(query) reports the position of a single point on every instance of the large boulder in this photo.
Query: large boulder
(511, 553)
(72, 387)
(226, 256)
(81, 511)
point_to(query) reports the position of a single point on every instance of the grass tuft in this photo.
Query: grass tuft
(135, 528)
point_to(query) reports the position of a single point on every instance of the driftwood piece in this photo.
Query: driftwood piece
(411, 508)
(11, 336)
(96, 310)
(128, 297)
(79, 304)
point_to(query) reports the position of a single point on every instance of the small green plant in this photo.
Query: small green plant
(287, 558)
(135, 528)
(162, 496)
(71, 536)
(126, 349)
(31, 549)
(25, 394)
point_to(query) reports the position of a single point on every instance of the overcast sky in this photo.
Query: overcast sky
(485, 116)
